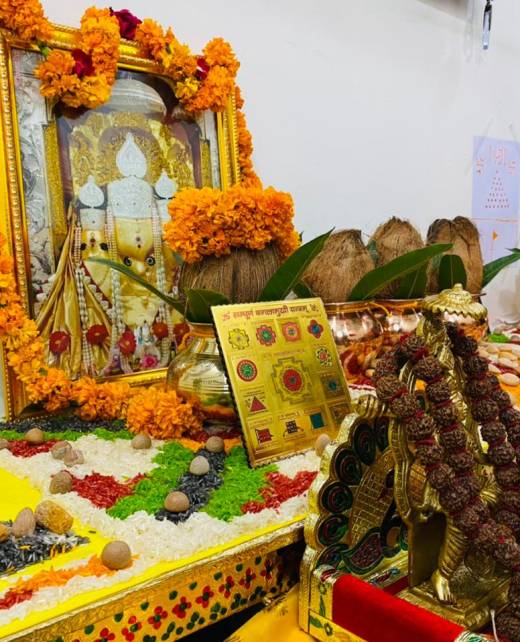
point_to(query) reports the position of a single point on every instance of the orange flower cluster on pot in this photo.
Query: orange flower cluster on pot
(26, 19)
(85, 76)
(209, 222)
(162, 413)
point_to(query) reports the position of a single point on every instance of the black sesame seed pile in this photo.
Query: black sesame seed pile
(16, 554)
(197, 487)
(59, 423)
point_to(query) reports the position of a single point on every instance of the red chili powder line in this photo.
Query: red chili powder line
(20, 448)
(280, 489)
(103, 490)
(11, 598)
(202, 437)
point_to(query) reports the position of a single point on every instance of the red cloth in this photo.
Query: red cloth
(376, 616)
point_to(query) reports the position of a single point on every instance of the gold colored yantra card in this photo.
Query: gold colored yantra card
(285, 374)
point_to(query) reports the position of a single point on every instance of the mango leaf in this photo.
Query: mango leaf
(494, 267)
(123, 269)
(290, 272)
(303, 291)
(451, 272)
(375, 280)
(200, 302)
(413, 285)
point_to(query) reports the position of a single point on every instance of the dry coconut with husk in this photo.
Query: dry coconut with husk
(391, 240)
(466, 243)
(240, 276)
(343, 261)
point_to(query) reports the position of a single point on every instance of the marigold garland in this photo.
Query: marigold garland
(26, 19)
(209, 222)
(202, 82)
(244, 216)
(168, 415)
(245, 146)
(85, 76)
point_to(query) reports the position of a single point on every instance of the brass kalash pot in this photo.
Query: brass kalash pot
(198, 373)
(358, 335)
(460, 307)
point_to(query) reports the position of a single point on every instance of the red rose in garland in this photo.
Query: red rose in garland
(202, 69)
(128, 23)
(59, 342)
(160, 330)
(127, 343)
(84, 65)
(97, 334)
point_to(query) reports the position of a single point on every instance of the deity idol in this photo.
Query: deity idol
(125, 166)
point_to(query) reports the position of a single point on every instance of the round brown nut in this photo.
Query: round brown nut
(60, 448)
(61, 483)
(215, 444)
(141, 442)
(35, 436)
(199, 466)
(176, 502)
(4, 444)
(24, 524)
(321, 443)
(116, 556)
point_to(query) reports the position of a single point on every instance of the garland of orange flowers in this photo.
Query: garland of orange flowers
(85, 76)
(163, 414)
(201, 82)
(26, 19)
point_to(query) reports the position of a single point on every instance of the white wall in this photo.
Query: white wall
(360, 109)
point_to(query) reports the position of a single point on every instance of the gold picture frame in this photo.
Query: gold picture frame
(14, 223)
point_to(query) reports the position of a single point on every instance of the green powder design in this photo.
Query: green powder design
(70, 435)
(241, 484)
(149, 494)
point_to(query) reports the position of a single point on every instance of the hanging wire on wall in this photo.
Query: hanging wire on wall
(488, 15)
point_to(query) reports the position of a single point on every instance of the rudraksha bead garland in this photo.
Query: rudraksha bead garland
(440, 442)
(491, 407)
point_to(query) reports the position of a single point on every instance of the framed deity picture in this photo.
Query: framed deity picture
(78, 184)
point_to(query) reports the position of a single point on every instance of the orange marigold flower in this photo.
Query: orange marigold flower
(209, 222)
(163, 414)
(100, 400)
(26, 18)
(150, 37)
(220, 52)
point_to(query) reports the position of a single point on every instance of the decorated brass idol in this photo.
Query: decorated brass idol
(433, 457)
